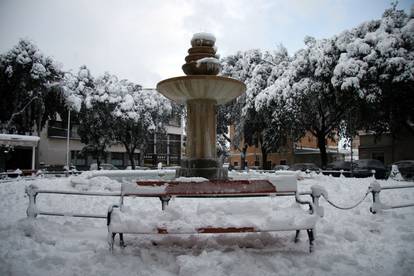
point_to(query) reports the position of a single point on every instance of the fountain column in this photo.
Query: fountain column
(201, 129)
(201, 91)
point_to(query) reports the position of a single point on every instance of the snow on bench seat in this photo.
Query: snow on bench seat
(237, 210)
(258, 216)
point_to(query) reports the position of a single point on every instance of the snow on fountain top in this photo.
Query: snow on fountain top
(202, 58)
(201, 67)
(199, 38)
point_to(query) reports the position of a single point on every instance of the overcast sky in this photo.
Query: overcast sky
(146, 41)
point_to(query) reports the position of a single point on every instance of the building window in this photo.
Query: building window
(78, 158)
(268, 165)
(58, 129)
(175, 119)
(161, 143)
(283, 162)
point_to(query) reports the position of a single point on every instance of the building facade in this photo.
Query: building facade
(303, 151)
(52, 150)
(386, 148)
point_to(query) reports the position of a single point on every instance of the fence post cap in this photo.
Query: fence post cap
(318, 190)
(375, 186)
(31, 189)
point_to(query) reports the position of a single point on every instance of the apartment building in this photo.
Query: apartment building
(52, 149)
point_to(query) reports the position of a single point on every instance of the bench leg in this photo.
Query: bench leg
(297, 236)
(121, 240)
(164, 201)
(111, 238)
(311, 239)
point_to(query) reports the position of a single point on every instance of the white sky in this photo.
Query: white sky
(146, 41)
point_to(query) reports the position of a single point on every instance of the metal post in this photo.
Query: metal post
(68, 142)
(154, 157)
(352, 157)
(377, 205)
(33, 159)
(168, 150)
(31, 191)
(317, 192)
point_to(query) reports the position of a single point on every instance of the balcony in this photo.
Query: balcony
(58, 129)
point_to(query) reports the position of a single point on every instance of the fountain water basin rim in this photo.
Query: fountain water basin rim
(185, 88)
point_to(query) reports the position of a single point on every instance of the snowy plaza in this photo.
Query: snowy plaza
(354, 242)
(187, 137)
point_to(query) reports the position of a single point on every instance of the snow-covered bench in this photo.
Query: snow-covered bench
(230, 216)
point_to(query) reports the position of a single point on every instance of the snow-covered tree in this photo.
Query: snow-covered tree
(256, 69)
(29, 91)
(115, 111)
(305, 92)
(77, 87)
(96, 123)
(138, 115)
(378, 63)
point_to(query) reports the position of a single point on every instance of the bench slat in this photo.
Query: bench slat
(216, 230)
(200, 189)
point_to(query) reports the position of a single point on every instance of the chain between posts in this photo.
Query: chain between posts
(350, 207)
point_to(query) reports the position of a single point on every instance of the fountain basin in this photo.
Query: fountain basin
(182, 89)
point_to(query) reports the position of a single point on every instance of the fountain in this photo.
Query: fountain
(201, 90)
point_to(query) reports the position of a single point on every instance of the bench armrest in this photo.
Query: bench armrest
(316, 192)
(309, 203)
(110, 209)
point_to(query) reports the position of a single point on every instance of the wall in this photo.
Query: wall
(391, 150)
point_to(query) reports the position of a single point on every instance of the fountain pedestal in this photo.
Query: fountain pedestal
(201, 141)
(201, 91)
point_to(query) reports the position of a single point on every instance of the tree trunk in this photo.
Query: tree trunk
(322, 149)
(131, 160)
(264, 159)
(243, 157)
(98, 162)
(100, 156)
(142, 155)
(130, 156)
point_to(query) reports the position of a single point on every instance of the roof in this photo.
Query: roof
(19, 140)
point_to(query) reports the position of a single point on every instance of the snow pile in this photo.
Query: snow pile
(133, 188)
(353, 242)
(98, 183)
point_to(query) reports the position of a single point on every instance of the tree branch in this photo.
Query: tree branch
(20, 112)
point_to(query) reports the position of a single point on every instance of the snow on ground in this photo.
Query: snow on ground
(353, 242)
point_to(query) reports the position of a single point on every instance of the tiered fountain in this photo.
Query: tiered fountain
(201, 90)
